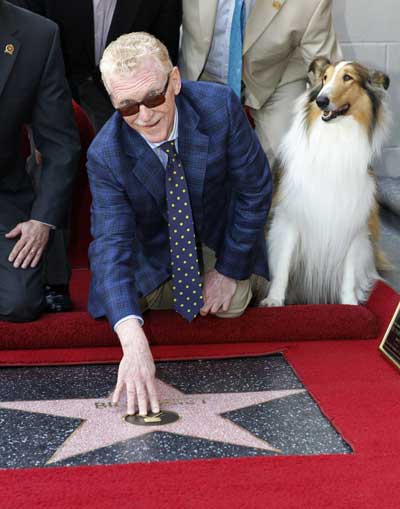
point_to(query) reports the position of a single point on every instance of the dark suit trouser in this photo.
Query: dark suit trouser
(21, 290)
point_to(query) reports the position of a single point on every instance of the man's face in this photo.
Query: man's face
(155, 124)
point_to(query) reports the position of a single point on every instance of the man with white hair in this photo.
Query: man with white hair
(181, 191)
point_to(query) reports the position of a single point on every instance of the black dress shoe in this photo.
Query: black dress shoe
(57, 298)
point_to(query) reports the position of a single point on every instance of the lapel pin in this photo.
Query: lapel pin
(276, 4)
(9, 49)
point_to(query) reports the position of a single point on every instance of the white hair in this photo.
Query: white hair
(124, 55)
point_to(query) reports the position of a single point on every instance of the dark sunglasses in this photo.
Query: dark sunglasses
(150, 102)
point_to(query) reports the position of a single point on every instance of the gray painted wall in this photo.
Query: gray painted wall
(369, 32)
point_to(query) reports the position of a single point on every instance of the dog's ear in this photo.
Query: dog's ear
(379, 79)
(317, 68)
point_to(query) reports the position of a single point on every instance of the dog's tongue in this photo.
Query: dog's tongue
(328, 115)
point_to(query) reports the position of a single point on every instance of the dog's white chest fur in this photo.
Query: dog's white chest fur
(326, 183)
(321, 220)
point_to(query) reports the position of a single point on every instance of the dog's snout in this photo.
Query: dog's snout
(323, 101)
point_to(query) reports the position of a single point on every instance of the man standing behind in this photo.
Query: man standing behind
(262, 49)
(88, 26)
(33, 90)
(181, 191)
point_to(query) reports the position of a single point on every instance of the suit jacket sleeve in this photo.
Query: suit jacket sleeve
(112, 258)
(32, 5)
(319, 39)
(56, 137)
(251, 182)
(167, 26)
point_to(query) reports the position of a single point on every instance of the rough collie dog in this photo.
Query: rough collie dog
(325, 225)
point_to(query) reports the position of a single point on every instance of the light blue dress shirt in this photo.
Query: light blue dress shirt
(217, 64)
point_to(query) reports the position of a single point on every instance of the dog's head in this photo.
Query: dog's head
(345, 88)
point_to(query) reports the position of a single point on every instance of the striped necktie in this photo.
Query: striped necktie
(186, 281)
(236, 47)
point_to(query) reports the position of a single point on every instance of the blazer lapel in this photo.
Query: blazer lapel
(147, 167)
(123, 19)
(193, 151)
(207, 15)
(264, 11)
(9, 45)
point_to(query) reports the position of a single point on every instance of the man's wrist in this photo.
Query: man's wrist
(130, 333)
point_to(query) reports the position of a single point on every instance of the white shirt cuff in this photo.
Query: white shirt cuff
(51, 226)
(138, 318)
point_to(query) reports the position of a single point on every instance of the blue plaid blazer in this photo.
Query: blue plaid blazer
(229, 184)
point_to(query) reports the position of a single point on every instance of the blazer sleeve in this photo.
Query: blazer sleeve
(319, 38)
(56, 137)
(111, 253)
(251, 183)
(37, 6)
(167, 25)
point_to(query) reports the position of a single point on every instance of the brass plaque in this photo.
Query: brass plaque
(160, 419)
(390, 344)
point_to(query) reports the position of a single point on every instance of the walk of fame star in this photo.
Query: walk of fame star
(103, 424)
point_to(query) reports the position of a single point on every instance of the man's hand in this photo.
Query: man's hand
(34, 236)
(218, 291)
(136, 371)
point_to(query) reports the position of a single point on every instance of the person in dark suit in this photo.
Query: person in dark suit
(88, 26)
(34, 91)
(181, 191)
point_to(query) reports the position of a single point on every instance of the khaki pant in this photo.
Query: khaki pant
(161, 297)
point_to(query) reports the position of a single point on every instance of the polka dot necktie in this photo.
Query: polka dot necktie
(186, 282)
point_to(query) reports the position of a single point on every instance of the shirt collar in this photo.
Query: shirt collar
(172, 136)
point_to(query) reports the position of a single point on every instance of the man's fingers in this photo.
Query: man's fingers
(117, 392)
(225, 305)
(27, 261)
(142, 398)
(153, 397)
(206, 308)
(36, 258)
(131, 394)
(215, 308)
(17, 254)
(26, 252)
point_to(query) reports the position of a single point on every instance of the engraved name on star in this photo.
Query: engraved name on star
(103, 423)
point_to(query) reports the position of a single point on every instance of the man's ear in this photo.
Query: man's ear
(379, 79)
(317, 68)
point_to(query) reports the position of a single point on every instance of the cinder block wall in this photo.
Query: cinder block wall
(369, 32)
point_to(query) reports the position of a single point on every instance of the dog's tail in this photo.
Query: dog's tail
(381, 261)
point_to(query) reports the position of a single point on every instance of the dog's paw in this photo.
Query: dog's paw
(350, 299)
(271, 302)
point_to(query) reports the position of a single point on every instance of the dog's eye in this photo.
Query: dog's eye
(347, 77)
(324, 78)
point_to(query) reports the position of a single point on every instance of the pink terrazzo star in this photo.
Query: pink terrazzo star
(103, 424)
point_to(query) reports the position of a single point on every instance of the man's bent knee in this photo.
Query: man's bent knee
(240, 300)
(20, 308)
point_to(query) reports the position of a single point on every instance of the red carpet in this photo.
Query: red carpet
(356, 388)
(53, 333)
